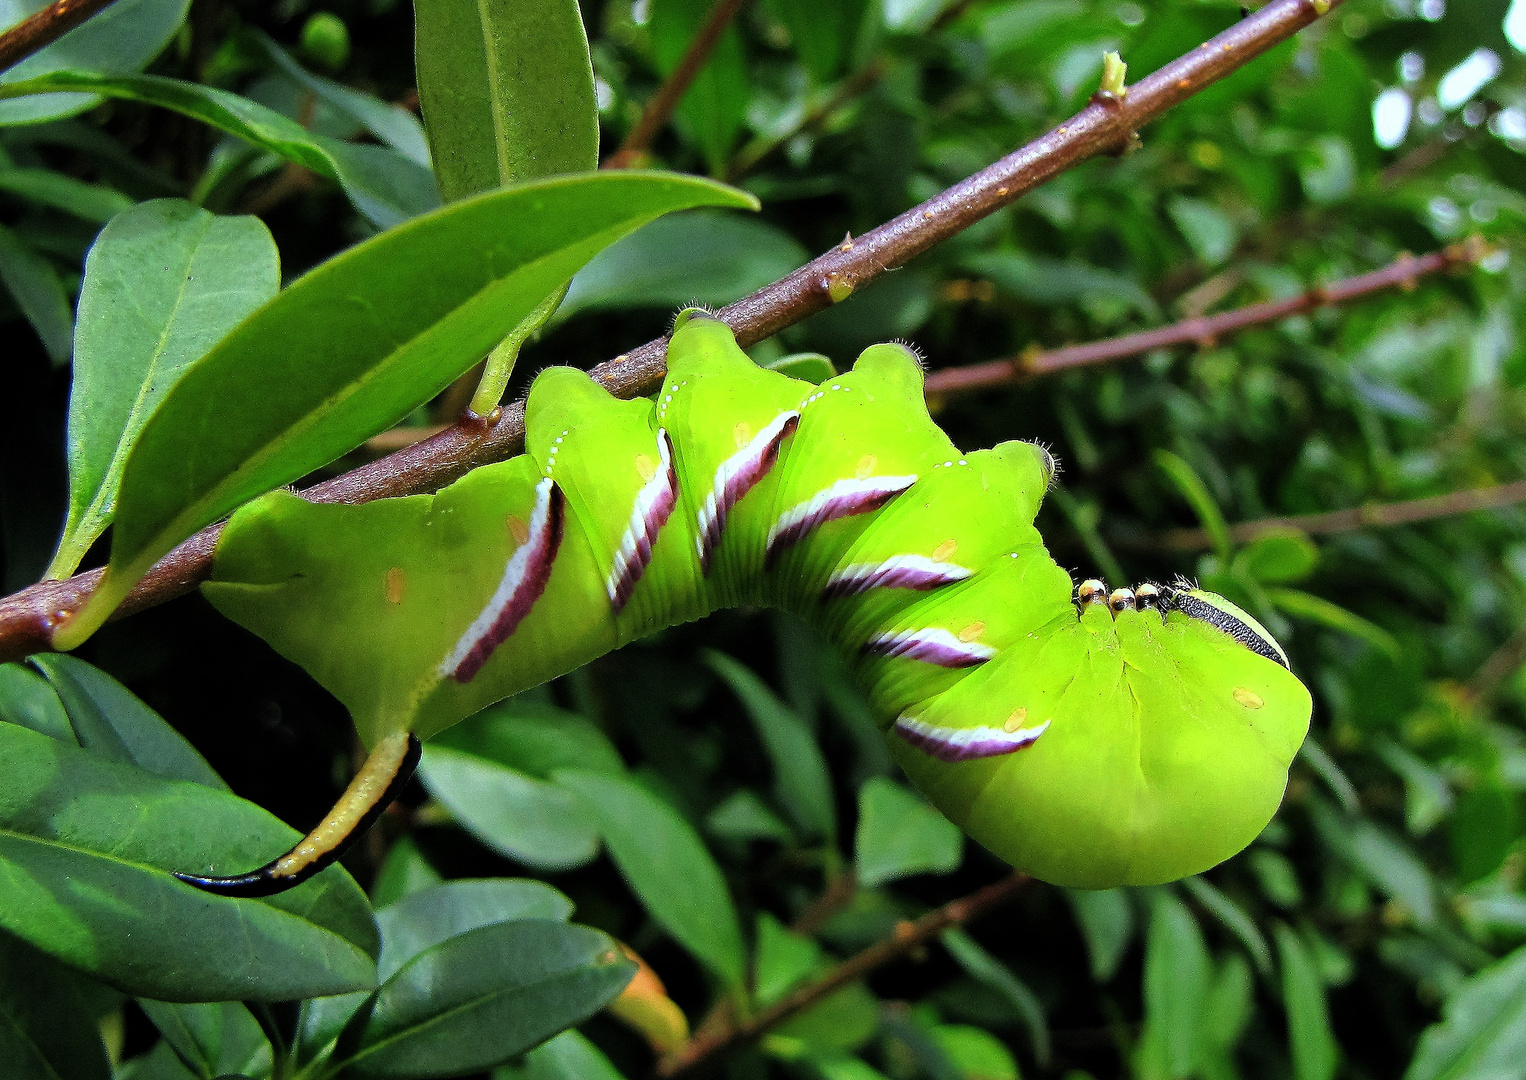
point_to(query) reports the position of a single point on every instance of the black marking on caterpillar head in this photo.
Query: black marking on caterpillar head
(1148, 596)
(1121, 600)
(1196, 607)
(691, 311)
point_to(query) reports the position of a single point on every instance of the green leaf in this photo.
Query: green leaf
(1235, 920)
(28, 700)
(701, 257)
(482, 997)
(85, 846)
(403, 872)
(978, 1054)
(45, 1029)
(506, 88)
(996, 976)
(513, 813)
(900, 835)
(569, 1056)
(1196, 493)
(122, 38)
(1210, 232)
(664, 862)
(354, 345)
(1310, 1040)
(742, 815)
(1482, 1035)
(535, 739)
(1176, 981)
(391, 124)
(214, 1039)
(1317, 609)
(713, 108)
(88, 202)
(1275, 558)
(825, 34)
(1106, 919)
(110, 720)
(382, 184)
(425, 919)
(34, 285)
(163, 282)
(1382, 859)
(801, 781)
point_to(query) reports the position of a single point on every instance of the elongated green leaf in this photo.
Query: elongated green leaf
(122, 38)
(384, 185)
(1106, 918)
(824, 34)
(701, 257)
(801, 781)
(1310, 1040)
(90, 202)
(427, 918)
(1196, 493)
(506, 87)
(535, 739)
(1234, 919)
(1317, 609)
(996, 976)
(1483, 1033)
(900, 835)
(85, 846)
(421, 921)
(28, 700)
(517, 815)
(667, 867)
(34, 285)
(45, 1030)
(109, 719)
(569, 1056)
(353, 346)
(1176, 980)
(214, 1038)
(480, 998)
(163, 282)
(391, 124)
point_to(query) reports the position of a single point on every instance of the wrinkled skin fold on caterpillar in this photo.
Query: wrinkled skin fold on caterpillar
(1089, 739)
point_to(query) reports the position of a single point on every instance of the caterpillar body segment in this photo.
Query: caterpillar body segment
(1091, 738)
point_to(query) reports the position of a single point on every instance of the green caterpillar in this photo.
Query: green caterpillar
(1089, 738)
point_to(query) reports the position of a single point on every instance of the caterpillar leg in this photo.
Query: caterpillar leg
(380, 779)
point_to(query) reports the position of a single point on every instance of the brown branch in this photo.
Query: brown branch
(671, 92)
(1378, 515)
(1204, 331)
(907, 936)
(27, 618)
(1504, 662)
(45, 27)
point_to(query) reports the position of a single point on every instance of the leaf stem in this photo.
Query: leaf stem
(40, 30)
(27, 618)
(660, 108)
(906, 937)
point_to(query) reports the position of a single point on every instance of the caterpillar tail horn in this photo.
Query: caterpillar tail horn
(377, 783)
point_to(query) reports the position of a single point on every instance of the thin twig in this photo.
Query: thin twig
(671, 92)
(45, 27)
(1376, 515)
(907, 936)
(1204, 331)
(1504, 662)
(27, 618)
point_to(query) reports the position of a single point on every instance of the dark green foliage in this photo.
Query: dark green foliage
(697, 794)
